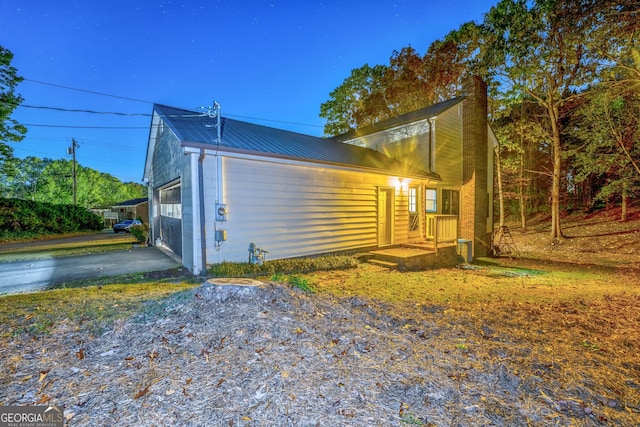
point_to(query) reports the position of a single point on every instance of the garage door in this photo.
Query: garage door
(171, 218)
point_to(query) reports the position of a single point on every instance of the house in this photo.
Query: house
(132, 209)
(128, 209)
(219, 187)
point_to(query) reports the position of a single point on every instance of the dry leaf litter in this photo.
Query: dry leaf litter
(272, 355)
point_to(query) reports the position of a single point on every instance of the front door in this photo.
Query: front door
(385, 216)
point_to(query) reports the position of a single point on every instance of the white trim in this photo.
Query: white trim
(197, 230)
(432, 143)
(219, 178)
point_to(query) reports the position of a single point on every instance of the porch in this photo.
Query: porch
(438, 248)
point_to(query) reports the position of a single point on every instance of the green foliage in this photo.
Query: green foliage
(141, 232)
(25, 217)
(277, 268)
(347, 107)
(301, 283)
(10, 130)
(45, 179)
(411, 81)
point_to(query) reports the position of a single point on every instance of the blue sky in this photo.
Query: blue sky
(269, 62)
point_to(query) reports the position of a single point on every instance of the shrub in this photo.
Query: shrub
(141, 232)
(283, 266)
(28, 217)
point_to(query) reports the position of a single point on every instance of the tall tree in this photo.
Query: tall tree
(543, 51)
(352, 103)
(28, 174)
(10, 130)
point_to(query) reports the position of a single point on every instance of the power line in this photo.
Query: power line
(88, 91)
(67, 110)
(86, 127)
(142, 101)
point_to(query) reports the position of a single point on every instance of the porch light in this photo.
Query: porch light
(400, 183)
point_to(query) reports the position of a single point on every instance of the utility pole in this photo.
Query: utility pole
(72, 150)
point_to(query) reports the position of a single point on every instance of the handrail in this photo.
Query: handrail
(442, 230)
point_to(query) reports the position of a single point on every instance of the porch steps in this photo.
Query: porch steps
(385, 264)
(413, 257)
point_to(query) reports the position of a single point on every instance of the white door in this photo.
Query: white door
(385, 214)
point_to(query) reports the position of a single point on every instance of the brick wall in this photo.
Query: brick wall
(473, 194)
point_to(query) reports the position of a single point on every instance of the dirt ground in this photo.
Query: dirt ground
(277, 356)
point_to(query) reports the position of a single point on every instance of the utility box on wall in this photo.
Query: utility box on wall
(221, 212)
(465, 250)
(221, 235)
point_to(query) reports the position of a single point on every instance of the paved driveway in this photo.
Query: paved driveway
(21, 276)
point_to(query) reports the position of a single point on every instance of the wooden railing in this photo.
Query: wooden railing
(442, 230)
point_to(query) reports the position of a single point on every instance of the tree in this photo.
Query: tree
(10, 130)
(608, 129)
(543, 51)
(407, 86)
(51, 181)
(24, 183)
(352, 103)
(521, 157)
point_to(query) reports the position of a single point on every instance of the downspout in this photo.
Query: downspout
(203, 230)
(432, 151)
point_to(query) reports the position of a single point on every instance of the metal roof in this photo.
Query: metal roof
(412, 116)
(193, 128)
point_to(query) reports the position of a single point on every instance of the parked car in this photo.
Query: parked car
(126, 225)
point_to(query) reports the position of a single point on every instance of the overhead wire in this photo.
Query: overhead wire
(134, 114)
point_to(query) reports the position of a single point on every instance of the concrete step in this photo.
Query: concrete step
(385, 264)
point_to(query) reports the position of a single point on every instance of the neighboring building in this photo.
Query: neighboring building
(132, 209)
(216, 185)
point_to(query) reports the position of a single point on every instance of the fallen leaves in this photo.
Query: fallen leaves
(141, 392)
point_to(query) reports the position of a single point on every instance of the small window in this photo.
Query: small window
(430, 204)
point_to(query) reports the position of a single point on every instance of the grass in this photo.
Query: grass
(511, 283)
(91, 308)
(44, 250)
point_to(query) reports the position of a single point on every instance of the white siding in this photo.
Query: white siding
(293, 210)
(448, 150)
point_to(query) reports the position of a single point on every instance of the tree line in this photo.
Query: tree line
(51, 181)
(46, 180)
(564, 84)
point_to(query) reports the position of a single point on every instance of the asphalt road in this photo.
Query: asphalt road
(35, 274)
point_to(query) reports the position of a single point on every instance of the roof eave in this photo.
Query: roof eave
(230, 150)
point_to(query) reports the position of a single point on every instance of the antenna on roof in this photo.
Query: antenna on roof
(213, 112)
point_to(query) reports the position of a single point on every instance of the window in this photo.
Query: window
(170, 203)
(413, 199)
(414, 216)
(430, 204)
(450, 202)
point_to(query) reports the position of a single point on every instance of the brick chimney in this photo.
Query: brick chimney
(474, 194)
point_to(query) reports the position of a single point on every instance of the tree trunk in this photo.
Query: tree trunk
(500, 194)
(521, 186)
(625, 199)
(556, 228)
